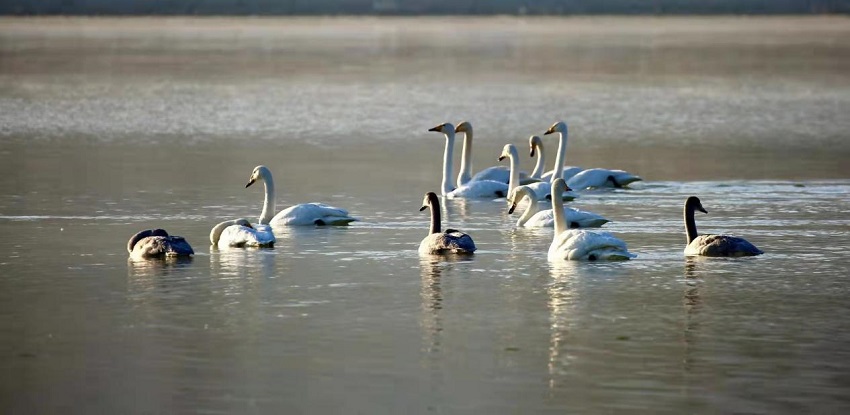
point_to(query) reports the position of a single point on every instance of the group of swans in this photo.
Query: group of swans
(567, 244)
(580, 244)
(240, 232)
(498, 181)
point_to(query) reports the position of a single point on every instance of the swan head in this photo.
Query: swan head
(243, 222)
(445, 128)
(507, 151)
(142, 235)
(534, 142)
(694, 203)
(516, 195)
(464, 127)
(259, 173)
(559, 186)
(558, 127)
(429, 200)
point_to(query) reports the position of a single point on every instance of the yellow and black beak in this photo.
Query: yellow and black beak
(250, 182)
(438, 128)
(511, 209)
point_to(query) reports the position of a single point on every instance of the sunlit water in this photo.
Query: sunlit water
(108, 127)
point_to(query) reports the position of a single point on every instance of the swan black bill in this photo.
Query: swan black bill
(423, 208)
(549, 131)
(250, 183)
(511, 209)
(501, 158)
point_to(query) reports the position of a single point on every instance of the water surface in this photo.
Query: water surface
(110, 126)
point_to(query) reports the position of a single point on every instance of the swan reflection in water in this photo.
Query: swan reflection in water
(692, 304)
(561, 298)
(431, 268)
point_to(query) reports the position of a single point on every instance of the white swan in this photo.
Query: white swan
(438, 242)
(575, 244)
(157, 243)
(533, 217)
(240, 233)
(566, 171)
(535, 145)
(712, 245)
(303, 214)
(474, 189)
(541, 189)
(495, 173)
(590, 178)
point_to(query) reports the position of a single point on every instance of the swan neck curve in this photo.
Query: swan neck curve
(558, 212)
(558, 171)
(513, 155)
(690, 224)
(540, 165)
(465, 173)
(434, 205)
(532, 209)
(447, 162)
(268, 203)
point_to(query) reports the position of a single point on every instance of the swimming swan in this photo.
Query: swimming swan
(303, 214)
(541, 189)
(590, 178)
(473, 189)
(535, 144)
(157, 243)
(240, 233)
(577, 244)
(533, 217)
(437, 242)
(566, 171)
(712, 245)
(495, 173)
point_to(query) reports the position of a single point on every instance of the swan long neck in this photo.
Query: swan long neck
(558, 212)
(268, 203)
(465, 173)
(540, 165)
(513, 182)
(435, 216)
(529, 211)
(215, 233)
(559, 158)
(690, 223)
(447, 162)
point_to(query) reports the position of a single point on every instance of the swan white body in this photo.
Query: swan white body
(494, 173)
(596, 178)
(533, 217)
(567, 173)
(304, 214)
(157, 243)
(541, 189)
(474, 189)
(712, 245)
(240, 233)
(438, 242)
(575, 244)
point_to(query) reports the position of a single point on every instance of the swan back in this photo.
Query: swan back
(240, 233)
(578, 245)
(157, 243)
(595, 178)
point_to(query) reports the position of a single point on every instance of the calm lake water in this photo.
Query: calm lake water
(110, 126)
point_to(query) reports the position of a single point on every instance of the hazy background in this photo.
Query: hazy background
(407, 7)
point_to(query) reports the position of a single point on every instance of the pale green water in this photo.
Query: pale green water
(108, 127)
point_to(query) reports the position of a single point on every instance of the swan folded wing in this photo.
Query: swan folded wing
(306, 214)
(238, 236)
(591, 178)
(543, 190)
(161, 246)
(451, 241)
(480, 189)
(721, 246)
(500, 174)
(567, 173)
(585, 245)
